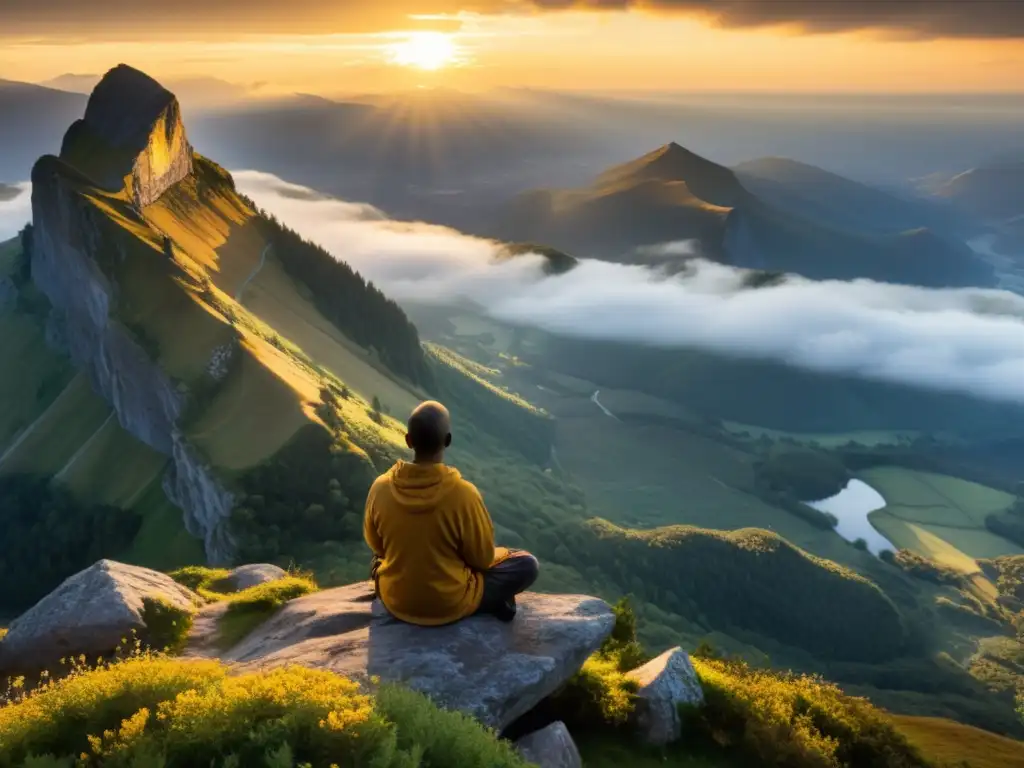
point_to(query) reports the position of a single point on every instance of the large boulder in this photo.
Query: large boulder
(550, 747)
(664, 683)
(89, 613)
(491, 670)
(245, 576)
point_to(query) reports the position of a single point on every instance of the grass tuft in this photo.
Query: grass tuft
(251, 607)
(167, 626)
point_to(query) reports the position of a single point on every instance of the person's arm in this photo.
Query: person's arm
(370, 533)
(477, 533)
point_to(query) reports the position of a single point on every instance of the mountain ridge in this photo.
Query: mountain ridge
(673, 194)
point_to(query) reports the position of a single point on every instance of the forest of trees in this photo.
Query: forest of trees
(48, 535)
(355, 306)
(313, 490)
(748, 580)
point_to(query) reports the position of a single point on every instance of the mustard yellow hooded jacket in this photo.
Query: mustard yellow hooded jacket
(434, 537)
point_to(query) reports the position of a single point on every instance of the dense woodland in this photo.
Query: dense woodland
(354, 305)
(48, 535)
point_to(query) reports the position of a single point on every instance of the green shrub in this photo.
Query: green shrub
(167, 626)
(251, 607)
(151, 710)
(600, 695)
(198, 578)
(797, 721)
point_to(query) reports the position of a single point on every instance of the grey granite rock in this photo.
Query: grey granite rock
(550, 747)
(665, 683)
(493, 671)
(245, 576)
(89, 613)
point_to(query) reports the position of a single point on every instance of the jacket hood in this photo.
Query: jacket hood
(420, 487)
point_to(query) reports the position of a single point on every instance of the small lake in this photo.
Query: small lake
(851, 506)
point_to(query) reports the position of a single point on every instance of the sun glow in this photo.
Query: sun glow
(425, 50)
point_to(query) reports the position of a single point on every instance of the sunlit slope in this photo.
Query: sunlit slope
(950, 743)
(938, 516)
(285, 305)
(187, 256)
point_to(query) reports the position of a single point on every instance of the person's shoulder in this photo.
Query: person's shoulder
(467, 490)
(382, 481)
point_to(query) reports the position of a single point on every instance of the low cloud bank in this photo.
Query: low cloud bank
(962, 340)
(15, 212)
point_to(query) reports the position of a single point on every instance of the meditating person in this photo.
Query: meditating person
(434, 558)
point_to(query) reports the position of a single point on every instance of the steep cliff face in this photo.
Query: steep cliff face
(66, 240)
(131, 141)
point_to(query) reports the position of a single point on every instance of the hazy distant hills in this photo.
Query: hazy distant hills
(418, 155)
(32, 121)
(773, 215)
(842, 203)
(667, 195)
(993, 192)
(193, 92)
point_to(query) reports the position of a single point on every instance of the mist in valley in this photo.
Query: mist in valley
(969, 341)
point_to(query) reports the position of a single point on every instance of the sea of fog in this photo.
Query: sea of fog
(967, 340)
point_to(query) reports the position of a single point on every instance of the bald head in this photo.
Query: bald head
(430, 429)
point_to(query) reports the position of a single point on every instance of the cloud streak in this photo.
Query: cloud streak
(132, 19)
(965, 340)
(15, 212)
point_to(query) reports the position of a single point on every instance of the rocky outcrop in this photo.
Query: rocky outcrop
(135, 115)
(191, 485)
(66, 241)
(550, 747)
(664, 684)
(138, 118)
(66, 249)
(90, 613)
(493, 671)
(245, 576)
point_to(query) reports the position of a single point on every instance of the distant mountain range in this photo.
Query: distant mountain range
(992, 193)
(32, 121)
(193, 92)
(769, 214)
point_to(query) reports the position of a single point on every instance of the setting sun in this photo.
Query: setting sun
(425, 50)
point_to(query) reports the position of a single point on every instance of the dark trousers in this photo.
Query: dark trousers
(512, 576)
(507, 579)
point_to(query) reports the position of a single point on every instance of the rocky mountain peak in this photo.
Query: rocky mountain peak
(132, 128)
(673, 163)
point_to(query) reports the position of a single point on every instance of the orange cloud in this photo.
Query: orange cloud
(137, 19)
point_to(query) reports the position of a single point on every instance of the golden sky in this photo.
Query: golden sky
(643, 48)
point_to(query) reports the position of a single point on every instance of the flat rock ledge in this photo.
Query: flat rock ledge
(494, 671)
(89, 613)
